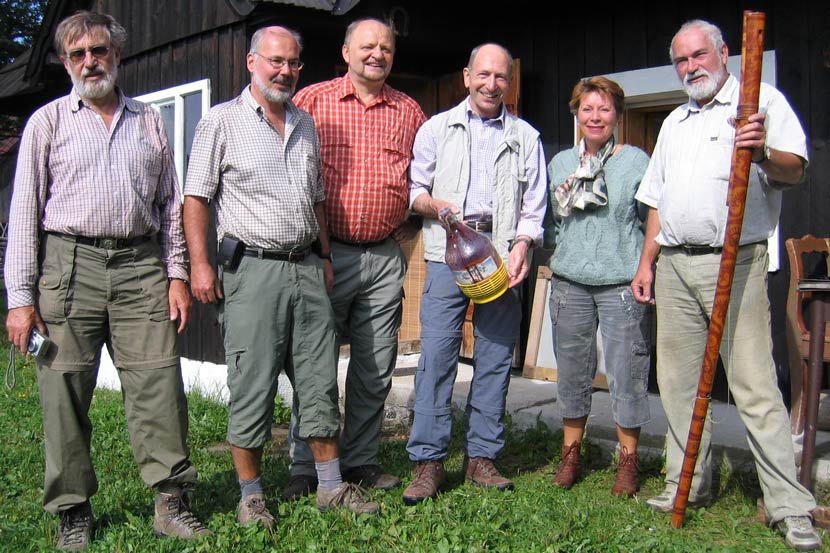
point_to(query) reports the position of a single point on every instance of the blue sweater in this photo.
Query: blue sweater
(602, 246)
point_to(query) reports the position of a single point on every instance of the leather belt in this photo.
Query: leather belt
(699, 249)
(480, 226)
(290, 256)
(364, 245)
(105, 243)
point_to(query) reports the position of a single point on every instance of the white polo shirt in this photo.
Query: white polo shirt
(688, 176)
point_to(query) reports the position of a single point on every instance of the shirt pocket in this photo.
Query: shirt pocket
(145, 164)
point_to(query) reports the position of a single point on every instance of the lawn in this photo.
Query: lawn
(534, 517)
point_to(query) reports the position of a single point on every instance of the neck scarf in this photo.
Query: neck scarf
(585, 188)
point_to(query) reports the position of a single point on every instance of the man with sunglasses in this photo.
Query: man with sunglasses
(257, 158)
(96, 257)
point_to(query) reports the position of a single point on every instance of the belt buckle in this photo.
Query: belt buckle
(109, 243)
(294, 256)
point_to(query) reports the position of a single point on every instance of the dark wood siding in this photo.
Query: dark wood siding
(177, 41)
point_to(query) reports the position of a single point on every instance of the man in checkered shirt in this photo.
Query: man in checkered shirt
(95, 257)
(257, 158)
(366, 130)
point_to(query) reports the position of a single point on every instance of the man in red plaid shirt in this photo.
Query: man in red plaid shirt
(366, 133)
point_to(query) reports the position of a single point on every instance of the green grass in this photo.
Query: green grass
(534, 517)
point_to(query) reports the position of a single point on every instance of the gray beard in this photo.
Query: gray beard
(274, 96)
(95, 90)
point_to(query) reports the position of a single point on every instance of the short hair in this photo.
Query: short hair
(354, 24)
(82, 22)
(259, 33)
(711, 30)
(600, 85)
(474, 53)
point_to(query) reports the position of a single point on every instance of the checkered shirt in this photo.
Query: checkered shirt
(75, 176)
(265, 186)
(366, 153)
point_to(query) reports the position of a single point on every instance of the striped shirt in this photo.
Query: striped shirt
(265, 186)
(366, 153)
(76, 176)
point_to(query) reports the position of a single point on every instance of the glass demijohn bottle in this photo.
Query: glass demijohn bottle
(478, 268)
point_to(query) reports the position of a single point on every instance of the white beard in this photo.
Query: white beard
(706, 88)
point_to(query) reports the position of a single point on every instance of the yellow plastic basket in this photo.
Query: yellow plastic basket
(489, 289)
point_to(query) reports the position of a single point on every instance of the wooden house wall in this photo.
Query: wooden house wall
(179, 41)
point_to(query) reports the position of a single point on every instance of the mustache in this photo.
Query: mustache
(699, 73)
(86, 72)
(286, 80)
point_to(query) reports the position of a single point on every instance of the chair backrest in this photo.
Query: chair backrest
(796, 250)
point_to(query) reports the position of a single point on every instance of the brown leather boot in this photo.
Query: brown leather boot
(429, 475)
(570, 467)
(626, 481)
(482, 471)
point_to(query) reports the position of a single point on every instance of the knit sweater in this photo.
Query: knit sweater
(601, 246)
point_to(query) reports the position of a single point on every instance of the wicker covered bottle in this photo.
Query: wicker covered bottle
(479, 270)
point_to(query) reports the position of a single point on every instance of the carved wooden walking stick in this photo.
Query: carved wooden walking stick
(751, 60)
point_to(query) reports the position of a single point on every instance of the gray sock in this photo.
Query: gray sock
(249, 487)
(328, 474)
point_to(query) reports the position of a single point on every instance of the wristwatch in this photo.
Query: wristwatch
(526, 240)
(765, 157)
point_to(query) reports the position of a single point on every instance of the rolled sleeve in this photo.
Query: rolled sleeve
(422, 168)
(534, 197)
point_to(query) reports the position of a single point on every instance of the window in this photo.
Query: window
(181, 108)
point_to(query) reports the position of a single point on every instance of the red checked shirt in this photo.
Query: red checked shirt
(366, 152)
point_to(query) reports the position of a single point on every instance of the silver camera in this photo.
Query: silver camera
(38, 343)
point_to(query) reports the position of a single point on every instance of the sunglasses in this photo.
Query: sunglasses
(79, 55)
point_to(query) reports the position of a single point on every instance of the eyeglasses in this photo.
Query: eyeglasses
(279, 63)
(79, 55)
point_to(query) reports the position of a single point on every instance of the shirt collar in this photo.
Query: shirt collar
(77, 102)
(471, 114)
(724, 96)
(347, 90)
(291, 110)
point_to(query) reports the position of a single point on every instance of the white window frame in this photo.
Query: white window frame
(175, 96)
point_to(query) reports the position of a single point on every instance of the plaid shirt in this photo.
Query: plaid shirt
(75, 176)
(366, 153)
(265, 185)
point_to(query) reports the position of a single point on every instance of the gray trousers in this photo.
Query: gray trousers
(684, 293)
(367, 295)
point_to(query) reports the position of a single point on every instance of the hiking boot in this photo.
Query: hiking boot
(429, 475)
(664, 503)
(174, 519)
(347, 495)
(482, 472)
(371, 476)
(299, 485)
(625, 485)
(252, 510)
(75, 527)
(799, 533)
(570, 466)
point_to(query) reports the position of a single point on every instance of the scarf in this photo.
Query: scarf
(585, 188)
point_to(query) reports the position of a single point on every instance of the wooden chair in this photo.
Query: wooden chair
(798, 335)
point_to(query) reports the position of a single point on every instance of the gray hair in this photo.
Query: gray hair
(474, 53)
(711, 30)
(259, 33)
(81, 23)
(354, 24)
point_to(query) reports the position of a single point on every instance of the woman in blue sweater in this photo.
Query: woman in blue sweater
(595, 230)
